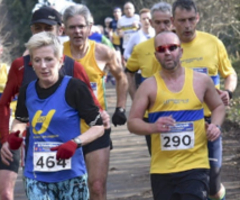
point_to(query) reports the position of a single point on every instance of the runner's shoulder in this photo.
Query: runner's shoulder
(104, 51)
(201, 78)
(144, 46)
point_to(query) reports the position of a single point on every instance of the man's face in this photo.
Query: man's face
(169, 51)
(77, 30)
(117, 14)
(40, 27)
(185, 22)
(145, 19)
(161, 21)
(129, 10)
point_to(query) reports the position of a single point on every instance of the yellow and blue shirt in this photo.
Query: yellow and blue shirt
(48, 129)
(185, 146)
(95, 74)
(143, 58)
(207, 54)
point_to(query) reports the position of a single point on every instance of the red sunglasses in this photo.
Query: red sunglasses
(170, 47)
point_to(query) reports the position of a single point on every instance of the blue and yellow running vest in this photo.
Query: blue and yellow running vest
(185, 146)
(52, 122)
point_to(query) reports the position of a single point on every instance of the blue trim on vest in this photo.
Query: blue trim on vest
(216, 79)
(179, 116)
(142, 79)
(63, 125)
(97, 37)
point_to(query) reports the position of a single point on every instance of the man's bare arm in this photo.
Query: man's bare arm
(215, 104)
(131, 84)
(143, 99)
(230, 82)
(116, 70)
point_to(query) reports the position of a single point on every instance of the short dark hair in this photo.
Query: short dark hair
(184, 4)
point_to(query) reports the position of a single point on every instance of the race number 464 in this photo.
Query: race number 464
(46, 162)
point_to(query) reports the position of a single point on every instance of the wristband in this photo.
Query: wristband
(230, 94)
(219, 127)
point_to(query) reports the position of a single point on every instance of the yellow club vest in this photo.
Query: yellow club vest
(185, 146)
(207, 54)
(95, 75)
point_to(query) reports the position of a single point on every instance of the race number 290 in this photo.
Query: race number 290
(180, 137)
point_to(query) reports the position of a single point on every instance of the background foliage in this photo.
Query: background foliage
(220, 18)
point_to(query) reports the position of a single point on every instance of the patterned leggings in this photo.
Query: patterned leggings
(72, 189)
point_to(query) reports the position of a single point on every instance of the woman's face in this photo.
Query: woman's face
(46, 65)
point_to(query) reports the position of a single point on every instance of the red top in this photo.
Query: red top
(14, 82)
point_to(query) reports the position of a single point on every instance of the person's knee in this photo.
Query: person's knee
(6, 194)
(7, 183)
(97, 186)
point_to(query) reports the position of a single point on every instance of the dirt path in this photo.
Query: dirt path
(129, 163)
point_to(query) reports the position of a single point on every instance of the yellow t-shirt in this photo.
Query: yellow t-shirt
(95, 74)
(3, 76)
(143, 58)
(185, 146)
(207, 54)
(116, 40)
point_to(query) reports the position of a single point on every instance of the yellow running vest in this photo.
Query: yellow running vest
(185, 146)
(95, 75)
(3, 76)
(207, 54)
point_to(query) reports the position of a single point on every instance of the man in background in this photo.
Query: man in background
(205, 53)
(96, 59)
(128, 24)
(143, 57)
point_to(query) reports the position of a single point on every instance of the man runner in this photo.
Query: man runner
(205, 53)
(96, 58)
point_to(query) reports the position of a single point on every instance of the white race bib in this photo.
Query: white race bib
(44, 160)
(181, 136)
(203, 70)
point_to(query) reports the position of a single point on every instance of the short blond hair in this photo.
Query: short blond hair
(45, 39)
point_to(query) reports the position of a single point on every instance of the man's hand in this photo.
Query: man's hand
(6, 154)
(66, 150)
(106, 119)
(119, 117)
(163, 124)
(14, 140)
(224, 96)
(213, 132)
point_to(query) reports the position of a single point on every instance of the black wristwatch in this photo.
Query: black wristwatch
(78, 141)
(230, 94)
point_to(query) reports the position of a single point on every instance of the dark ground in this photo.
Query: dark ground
(129, 163)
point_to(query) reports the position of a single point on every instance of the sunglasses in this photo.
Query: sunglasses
(170, 47)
